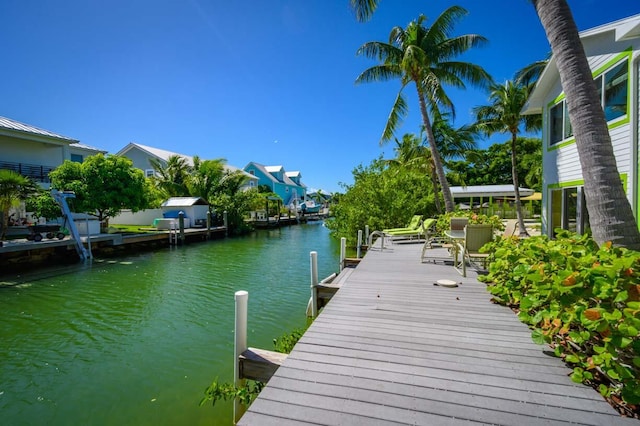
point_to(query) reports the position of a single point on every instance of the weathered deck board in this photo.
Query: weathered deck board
(393, 348)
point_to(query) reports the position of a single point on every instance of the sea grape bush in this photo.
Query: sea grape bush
(581, 299)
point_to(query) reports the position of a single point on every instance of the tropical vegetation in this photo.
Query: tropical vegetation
(582, 299)
(383, 195)
(13, 189)
(503, 116)
(610, 214)
(493, 166)
(428, 58)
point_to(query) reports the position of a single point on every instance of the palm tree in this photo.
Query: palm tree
(425, 57)
(172, 178)
(503, 116)
(610, 214)
(13, 188)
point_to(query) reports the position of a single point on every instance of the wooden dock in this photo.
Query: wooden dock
(393, 348)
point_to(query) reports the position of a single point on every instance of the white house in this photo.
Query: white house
(141, 156)
(613, 51)
(34, 152)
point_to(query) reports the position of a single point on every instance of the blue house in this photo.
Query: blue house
(287, 185)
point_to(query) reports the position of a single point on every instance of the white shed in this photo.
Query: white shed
(195, 210)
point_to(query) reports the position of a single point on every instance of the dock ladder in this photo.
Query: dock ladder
(61, 199)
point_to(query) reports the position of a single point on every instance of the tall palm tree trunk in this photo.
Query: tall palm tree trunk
(435, 155)
(610, 213)
(516, 187)
(434, 182)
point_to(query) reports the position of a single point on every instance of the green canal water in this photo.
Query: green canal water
(136, 340)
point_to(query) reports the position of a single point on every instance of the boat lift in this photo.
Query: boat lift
(61, 199)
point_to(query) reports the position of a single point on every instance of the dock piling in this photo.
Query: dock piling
(240, 331)
(359, 247)
(181, 225)
(314, 283)
(343, 251)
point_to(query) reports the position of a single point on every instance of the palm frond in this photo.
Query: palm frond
(398, 112)
(379, 51)
(445, 23)
(364, 9)
(379, 73)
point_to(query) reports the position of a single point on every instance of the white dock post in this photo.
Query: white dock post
(241, 298)
(314, 283)
(359, 248)
(366, 233)
(343, 250)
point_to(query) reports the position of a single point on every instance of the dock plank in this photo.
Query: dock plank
(393, 348)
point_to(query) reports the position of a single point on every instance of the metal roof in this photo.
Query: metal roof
(184, 202)
(164, 155)
(9, 124)
(86, 147)
(488, 191)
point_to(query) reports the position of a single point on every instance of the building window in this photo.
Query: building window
(77, 158)
(613, 89)
(252, 172)
(149, 173)
(556, 123)
(614, 85)
(252, 183)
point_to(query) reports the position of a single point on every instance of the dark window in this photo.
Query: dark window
(77, 158)
(555, 123)
(615, 91)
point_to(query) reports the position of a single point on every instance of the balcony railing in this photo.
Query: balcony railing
(36, 172)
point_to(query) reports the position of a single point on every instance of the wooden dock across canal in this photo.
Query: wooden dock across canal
(393, 348)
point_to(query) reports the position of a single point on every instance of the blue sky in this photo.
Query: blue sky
(265, 81)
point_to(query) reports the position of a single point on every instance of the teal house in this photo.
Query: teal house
(287, 185)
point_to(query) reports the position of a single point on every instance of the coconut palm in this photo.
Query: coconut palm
(610, 214)
(503, 116)
(13, 188)
(172, 178)
(425, 57)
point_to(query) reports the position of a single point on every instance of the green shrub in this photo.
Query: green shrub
(579, 298)
(444, 221)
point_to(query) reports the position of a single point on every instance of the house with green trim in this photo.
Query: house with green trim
(613, 52)
(287, 185)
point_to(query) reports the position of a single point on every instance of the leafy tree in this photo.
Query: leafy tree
(503, 116)
(428, 59)
(492, 166)
(103, 185)
(13, 188)
(43, 205)
(381, 197)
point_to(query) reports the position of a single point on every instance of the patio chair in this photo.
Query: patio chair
(458, 223)
(413, 225)
(422, 230)
(475, 236)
